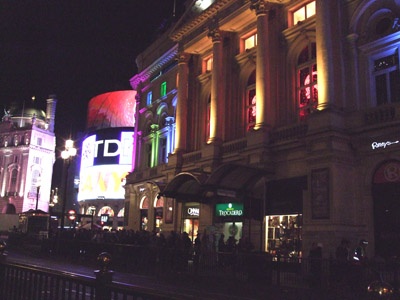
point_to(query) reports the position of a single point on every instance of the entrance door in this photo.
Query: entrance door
(191, 227)
(386, 217)
(386, 195)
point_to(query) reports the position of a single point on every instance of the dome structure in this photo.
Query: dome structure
(29, 113)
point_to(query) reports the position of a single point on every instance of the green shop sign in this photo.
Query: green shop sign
(229, 210)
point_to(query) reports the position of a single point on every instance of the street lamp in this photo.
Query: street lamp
(67, 155)
(38, 183)
(53, 197)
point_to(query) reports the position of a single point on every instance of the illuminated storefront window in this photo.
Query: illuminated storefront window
(158, 212)
(91, 210)
(303, 13)
(191, 214)
(144, 217)
(283, 235)
(121, 213)
(229, 217)
(106, 210)
(307, 88)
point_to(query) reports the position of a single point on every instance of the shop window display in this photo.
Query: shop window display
(284, 235)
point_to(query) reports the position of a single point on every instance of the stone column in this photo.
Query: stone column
(325, 52)
(217, 83)
(264, 111)
(352, 39)
(181, 106)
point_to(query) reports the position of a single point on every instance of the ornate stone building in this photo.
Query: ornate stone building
(274, 121)
(27, 155)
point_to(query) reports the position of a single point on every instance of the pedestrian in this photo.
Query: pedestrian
(197, 252)
(342, 256)
(315, 264)
(360, 252)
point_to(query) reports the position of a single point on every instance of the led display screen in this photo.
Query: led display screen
(112, 109)
(105, 161)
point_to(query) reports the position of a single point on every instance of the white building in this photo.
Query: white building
(27, 155)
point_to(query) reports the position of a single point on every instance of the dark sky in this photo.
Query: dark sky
(76, 49)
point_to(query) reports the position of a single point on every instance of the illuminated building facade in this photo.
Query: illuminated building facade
(274, 121)
(27, 155)
(106, 157)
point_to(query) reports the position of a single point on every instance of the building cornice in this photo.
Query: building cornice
(154, 68)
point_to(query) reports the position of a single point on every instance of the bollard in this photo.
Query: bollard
(103, 277)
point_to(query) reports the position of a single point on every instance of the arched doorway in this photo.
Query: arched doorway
(386, 197)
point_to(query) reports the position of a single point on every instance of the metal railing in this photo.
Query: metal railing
(21, 282)
(324, 275)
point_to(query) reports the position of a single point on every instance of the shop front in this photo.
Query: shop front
(229, 220)
(284, 217)
(144, 213)
(386, 195)
(158, 213)
(190, 219)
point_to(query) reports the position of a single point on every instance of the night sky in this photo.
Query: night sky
(75, 49)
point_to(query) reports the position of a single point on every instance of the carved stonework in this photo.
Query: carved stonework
(213, 30)
(183, 57)
(260, 6)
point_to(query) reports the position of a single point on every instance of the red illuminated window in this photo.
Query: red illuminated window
(251, 101)
(307, 88)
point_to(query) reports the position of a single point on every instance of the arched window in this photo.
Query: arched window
(387, 78)
(251, 100)
(307, 89)
(106, 210)
(13, 181)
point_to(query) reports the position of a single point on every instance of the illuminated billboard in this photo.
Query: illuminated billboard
(112, 109)
(105, 161)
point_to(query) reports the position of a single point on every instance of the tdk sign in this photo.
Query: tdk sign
(111, 147)
(107, 148)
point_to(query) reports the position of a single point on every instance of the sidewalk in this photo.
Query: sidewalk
(188, 286)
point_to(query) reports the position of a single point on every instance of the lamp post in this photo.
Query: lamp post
(38, 183)
(53, 197)
(67, 155)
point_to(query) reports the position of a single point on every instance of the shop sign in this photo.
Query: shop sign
(193, 211)
(377, 145)
(104, 218)
(229, 210)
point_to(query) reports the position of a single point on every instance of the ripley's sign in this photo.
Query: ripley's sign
(377, 145)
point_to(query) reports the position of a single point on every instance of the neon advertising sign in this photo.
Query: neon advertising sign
(377, 145)
(229, 210)
(106, 159)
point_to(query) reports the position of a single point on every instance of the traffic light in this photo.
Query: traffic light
(71, 215)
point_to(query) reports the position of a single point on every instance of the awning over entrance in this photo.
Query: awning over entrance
(233, 177)
(285, 196)
(186, 187)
